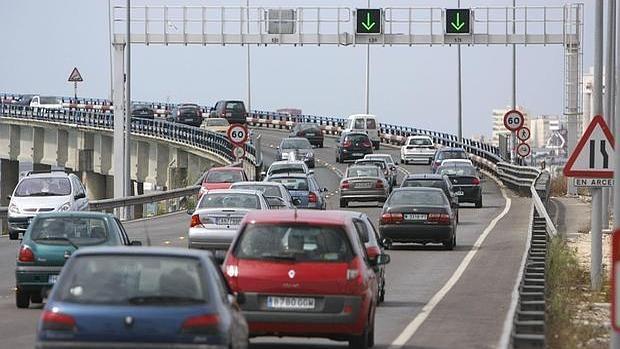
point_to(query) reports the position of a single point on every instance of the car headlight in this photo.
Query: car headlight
(309, 155)
(65, 207)
(14, 209)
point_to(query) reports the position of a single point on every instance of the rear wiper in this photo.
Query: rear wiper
(278, 256)
(58, 238)
(163, 299)
(43, 194)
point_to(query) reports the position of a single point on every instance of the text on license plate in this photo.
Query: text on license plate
(358, 154)
(228, 221)
(310, 134)
(52, 279)
(363, 185)
(460, 193)
(415, 217)
(290, 303)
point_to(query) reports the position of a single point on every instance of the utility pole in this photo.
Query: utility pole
(367, 91)
(513, 138)
(127, 153)
(460, 99)
(249, 85)
(609, 92)
(615, 336)
(110, 49)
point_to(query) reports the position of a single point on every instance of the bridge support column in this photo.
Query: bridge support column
(119, 120)
(96, 185)
(158, 164)
(137, 188)
(177, 173)
(9, 175)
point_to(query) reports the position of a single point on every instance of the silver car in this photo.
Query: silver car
(276, 194)
(217, 216)
(43, 191)
(363, 184)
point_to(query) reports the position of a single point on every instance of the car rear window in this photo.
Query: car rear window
(293, 183)
(358, 124)
(417, 198)
(133, 280)
(49, 100)
(69, 230)
(235, 106)
(357, 138)
(363, 172)
(424, 183)
(371, 124)
(452, 155)
(295, 143)
(224, 177)
(267, 190)
(387, 158)
(420, 141)
(378, 163)
(216, 122)
(283, 168)
(229, 200)
(297, 242)
(43, 187)
(458, 171)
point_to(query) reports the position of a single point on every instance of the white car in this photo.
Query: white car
(219, 125)
(46, 102)
(43, 191)
(287, 166)
(417, 149)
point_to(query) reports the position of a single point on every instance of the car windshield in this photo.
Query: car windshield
(456, 154)
(420, 141)
(295, 143)
(296, 242)
(292, 183)
(224, 177)
(363, 172)
(417, 198)
(291, 168)
(267, 190)
(458, 171)
(216, 122)
(69, 230)
(428, 183)
(309, 128)
(139, 280)
(43, 187)
(49, 100)
(229, 200)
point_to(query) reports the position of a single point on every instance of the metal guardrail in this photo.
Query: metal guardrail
(110, 204)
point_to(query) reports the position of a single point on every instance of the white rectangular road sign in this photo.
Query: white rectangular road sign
(593, 182)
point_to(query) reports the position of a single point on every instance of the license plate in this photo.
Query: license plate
(228, 221)
(310, 134)
(363, 185)
(358, 154)
(459, 193)
(290, 303)
(189, 119)
(415, 217)
(52, 279)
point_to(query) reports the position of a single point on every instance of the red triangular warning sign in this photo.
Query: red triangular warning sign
(593, 156)
(75, 76)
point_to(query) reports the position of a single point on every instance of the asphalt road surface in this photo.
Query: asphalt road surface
(434, 298)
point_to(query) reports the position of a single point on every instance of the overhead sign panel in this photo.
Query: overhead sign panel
(369, 21)
(458, 21)
(593, 157)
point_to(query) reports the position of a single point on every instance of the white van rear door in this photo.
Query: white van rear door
(372, 129)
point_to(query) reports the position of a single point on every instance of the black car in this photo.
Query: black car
(233, 111)
(312, 132)
(427, 180)
(143, 111)
(352, 146)
(465, 182)
(418, 215)
(188, 114)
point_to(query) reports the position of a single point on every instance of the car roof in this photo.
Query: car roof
(217, 169)
(289, 175)
(328, 217)
(288, 162)
(264, 184)
(362, 166)
(370, 160)
(142, 251)
(361, 115)
(81, 214)
(452, 149)
(424, 176)
(293, 138)
(233, 191)
(420, 136)
(417, 189)
(58, 174)
(354, 133)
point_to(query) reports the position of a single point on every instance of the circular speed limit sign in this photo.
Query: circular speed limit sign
(238, 152)
(513, 120)
(523, 134)
(523, 150)
(237, 134)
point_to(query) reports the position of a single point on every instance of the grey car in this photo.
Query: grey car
(391, 164)
(385, 167)
(299, 146)
(276, 194)
(217, 216)
(363, 184)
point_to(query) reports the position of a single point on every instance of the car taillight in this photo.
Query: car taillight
(366, 143)
(352, 274)
(345, 185)
(391, 218)
(300, 134)
(475, 181)
(207, 323)
(55, 321)
(312, 197)
(195, 221)
(379, 184)
(438, 162)
(25, 254)
(347, 143)
(441, 218)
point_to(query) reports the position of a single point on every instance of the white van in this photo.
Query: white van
(364, 123)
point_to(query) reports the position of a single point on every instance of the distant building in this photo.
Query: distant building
(290, 111)
(541, 129)
(498, 123)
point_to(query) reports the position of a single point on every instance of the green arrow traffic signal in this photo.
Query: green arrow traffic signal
(368, 21)
(458, 25)
(458, 21)
(368, 24)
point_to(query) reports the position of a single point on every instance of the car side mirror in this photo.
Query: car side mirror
(296, 202)
(311, 171)
(382, 259)
(8, 197)
(80, 196)
(190, 211)
(135, 243)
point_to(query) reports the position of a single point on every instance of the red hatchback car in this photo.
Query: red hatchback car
(305, 273)
(222, 178)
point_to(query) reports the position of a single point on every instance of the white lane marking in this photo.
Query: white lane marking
(404, 171)
(415, 324)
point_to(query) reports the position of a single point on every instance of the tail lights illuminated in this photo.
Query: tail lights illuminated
(475, 181)
(441, 218)
(345, 185)
(347, 143)
(379, 184)
(25, 254)
(55, 321)
(195, 221)
(207, 323)
(313, 198)
(392, 218)
(366, 143)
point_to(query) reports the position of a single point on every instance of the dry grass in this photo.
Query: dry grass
(558, 186)
(568, 298)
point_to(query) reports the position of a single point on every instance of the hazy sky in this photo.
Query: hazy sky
(415, 86)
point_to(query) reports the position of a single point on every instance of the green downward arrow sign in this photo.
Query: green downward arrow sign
(368, 24)
(458, 25)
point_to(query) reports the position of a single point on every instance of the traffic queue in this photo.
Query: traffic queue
(265, 257)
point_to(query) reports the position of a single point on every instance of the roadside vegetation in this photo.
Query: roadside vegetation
(573, 319)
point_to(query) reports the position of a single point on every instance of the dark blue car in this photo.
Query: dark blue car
(115, 297)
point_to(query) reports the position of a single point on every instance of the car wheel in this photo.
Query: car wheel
(382, 292)
(22, 299)
(479, 203)
(13, 235)
(321, 145)
(449, 245)
(361, 341)
(377, 146)
(402, 161)
(36, 298)
(343, 203)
